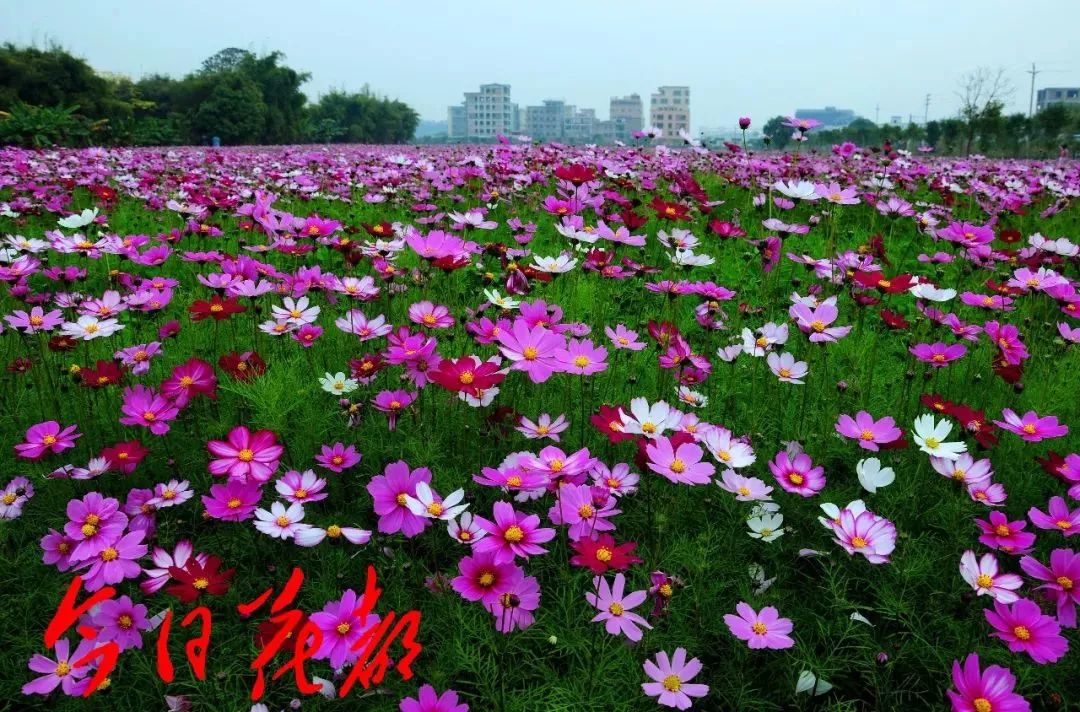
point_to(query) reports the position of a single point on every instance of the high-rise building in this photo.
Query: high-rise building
(629, 110)
(579, 126)
(1057, 95)
(456, 125)
(484, 114)
(545, 122)
(669, 109)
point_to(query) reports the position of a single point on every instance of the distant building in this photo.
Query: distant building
(628, 110)
(456, 125)
(545, 123)
(1057, 95)
(669, 109)
(579, 125)
(830, 116)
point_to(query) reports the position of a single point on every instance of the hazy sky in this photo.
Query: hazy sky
(739, 58)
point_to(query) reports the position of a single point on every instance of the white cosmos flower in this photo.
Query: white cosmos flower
(767, 528)
(90, 327)
(687, 258)
(692, 398)
(296, 311)
(809, 682)
(727, 450)
(554, 265)
(872, 476)
(833, 512)
(932, 293)
(930, 436)
(425, 504)
(493, 296)
(757, 576)
(338, 383)
(74, 222)
(796, 190)
(314, 535)
(484, 400)
(650, 420)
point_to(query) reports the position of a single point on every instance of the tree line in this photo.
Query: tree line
(50, 97)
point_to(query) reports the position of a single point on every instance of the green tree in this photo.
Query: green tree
(779, 134)
(234, 111)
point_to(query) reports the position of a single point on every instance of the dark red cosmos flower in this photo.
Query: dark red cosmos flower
(663, 332)
(724, 229)
(450, 263)
(670, 211)
(576, 174)
(1003, 289)
(1009, 236)
(103, 192)
(601, 554)
(124, 457)
(104, 373)
(62, 343)
(609, 422)
(268, 629)
(467, 374)
(195, 579)
(974, 421)
(20, 365)
(382, 229)
(242, 366)
(632, 220)
(1055, 465)
(937, 403)
(217, 308)
(366, 366)
(887, 285)
(1007, 372)
(894, 320)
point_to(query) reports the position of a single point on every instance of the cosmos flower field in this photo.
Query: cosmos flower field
(630, 428)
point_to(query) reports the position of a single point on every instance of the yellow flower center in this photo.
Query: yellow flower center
(300, 493)
(234, 503)
(337, 459)
(530, 353)
(110, 554)
(1029, 429)
(585, 511)
(603, 554)
(981, 704)
(616, 609)
(762, 342)
(91, 328)
(985, 581)
(1002, 530)
(796, 479)
(245, 455)
(665, 590)
(1064, 524)
(513, 481)
(514, 534)
(784, 373)
(343, 628)
(48, 440)
(168, 494)
(623, 340)
(89, 530)
(401, 499)
(36, 321)
(435, 509)
(678, 466)
(125, 621)
(759, 628)
(858, 542)
(486, 579)
(464, 535)
(817, 325)
(216, 308)
(744, 490)
(466, 377)
(333, 531)
(10, 498)
(933, 443)
(581, 361)
(62, 668)
(429, 319)
(282, 521)
(1022, 632)
(556, 465)
(395, 405)
(1065, 582)
(672, 683)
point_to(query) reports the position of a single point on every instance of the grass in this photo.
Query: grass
(924, 615)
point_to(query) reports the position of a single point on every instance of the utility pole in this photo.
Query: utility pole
(926, 110)
(1031, 99)
(877, 113)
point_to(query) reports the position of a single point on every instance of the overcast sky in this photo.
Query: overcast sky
(739, 58)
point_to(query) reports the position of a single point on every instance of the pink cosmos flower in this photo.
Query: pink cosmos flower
(726, 448)
(156, 578)
(581, 357)
(245, 455)
(869, 433)
(35, 321)
(797, 475)
(682, 465)
(786, 368)
(95, 522)
(511, 534)
(616, 607)
(623, 338)
(992, 494)
(938, 354)
(1062, 579)
(428, 700)
(513, 610)
(618, 479)
(745, 489)
(61, 672)
(342, 626)
(671, 679)
(866, 533)
(390, 492)
(233, 501)
(544, 427)
(1057, 517)
(815, 321)
(146, 408)
(760, 630)
(1026, 629)
(982, 575)
(122, 621)
(337, 457)
(1031, 427)
(1006, 337)
(482, 579)
(431, 316)
(115, 562)
(393, 403)
(833, 193)
(306, 335)
(999, 533)
(984, 691)
(138, 357)
(46, 437)
(57, 550)
(301, 487)
(584, 512)
(279, 521)
(170, 494)
(532, 350)
(965, 469)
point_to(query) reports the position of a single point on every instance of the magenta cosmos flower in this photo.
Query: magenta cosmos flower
(122, 621)
(990, 690)
(481, 579)
(534, 351)
(146, 408)
(433, 316)
(797, 475)
(869, 433)
(760, 630)
(671, 679)
(1057, 516)
(1026, 629)
(582, 358)
(512, 533)
(36, 320)
(393, 403)
(47, 437)
(938, 354)
(94, 523)
(1010, 537)
(341, 626)
(1062, 581)
(390, 492)
(983, 575)
(682, 464)
(1030, 426)
(428, 700)
(337, 457)
(233, 501)
(513, 610)
(816, 321)
(615, 607)
(115, 562)
(865, 533)
(61, 672)
(245, 455)
(585, 514)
